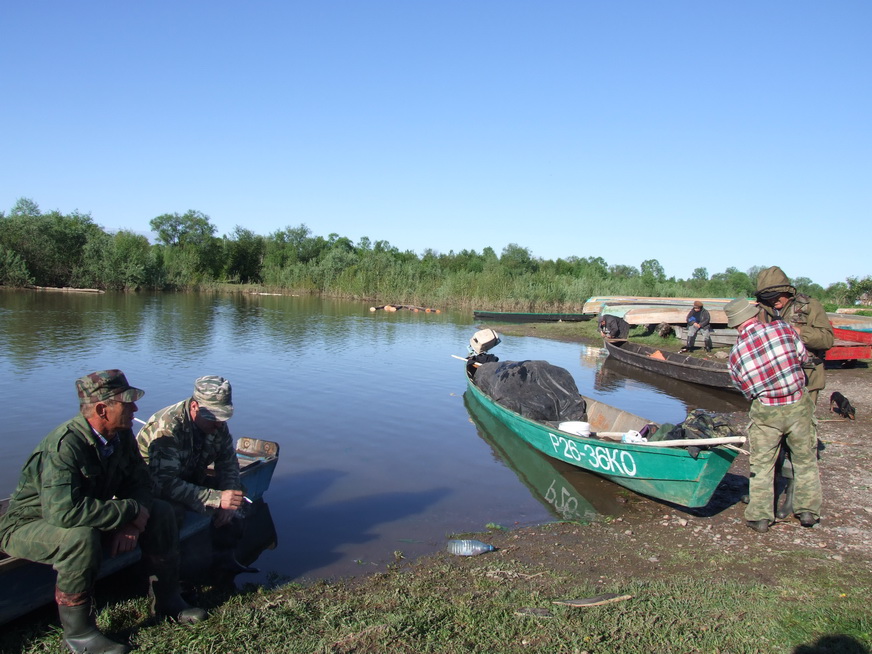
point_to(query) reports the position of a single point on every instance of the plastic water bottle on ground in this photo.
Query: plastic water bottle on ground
(468, 547)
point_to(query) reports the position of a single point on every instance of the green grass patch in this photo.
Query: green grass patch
(476, 604)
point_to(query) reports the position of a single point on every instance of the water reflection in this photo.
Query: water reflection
(186, 326)
(321, 534)
(567, 492)
(259, 535)
(612, 375)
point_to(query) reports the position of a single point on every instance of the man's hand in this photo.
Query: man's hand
(223, 517)
(231, 499)
(141, 519)
(124, 540)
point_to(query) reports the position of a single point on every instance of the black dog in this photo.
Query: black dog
(839, 404)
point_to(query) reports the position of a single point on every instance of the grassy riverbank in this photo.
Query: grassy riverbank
(683, 598)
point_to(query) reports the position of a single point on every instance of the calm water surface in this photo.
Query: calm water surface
(380, 452)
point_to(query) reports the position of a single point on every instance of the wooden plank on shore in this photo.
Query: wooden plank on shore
(841, 319)
(673, 316)
(595, 304)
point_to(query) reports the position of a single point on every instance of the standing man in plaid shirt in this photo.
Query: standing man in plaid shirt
(766, 365)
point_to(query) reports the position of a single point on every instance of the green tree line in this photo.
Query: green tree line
(71, 250)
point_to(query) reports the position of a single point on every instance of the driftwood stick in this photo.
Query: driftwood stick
(725, 440)
(681, 442)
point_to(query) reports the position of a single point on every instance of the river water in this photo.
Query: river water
(380, 452)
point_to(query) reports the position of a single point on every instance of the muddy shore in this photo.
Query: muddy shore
(634, 543)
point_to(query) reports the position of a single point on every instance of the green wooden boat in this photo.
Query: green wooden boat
(566, 491)
(664, 470)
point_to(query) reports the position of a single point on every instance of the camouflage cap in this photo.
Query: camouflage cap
(106, 385)
(215, 397)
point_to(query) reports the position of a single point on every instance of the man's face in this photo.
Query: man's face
(781, 301)
(205, 424)
(118, 415)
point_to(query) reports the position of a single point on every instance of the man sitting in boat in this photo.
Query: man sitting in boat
(698, 320)
(614, 327)
(84, 486)
(179, 443)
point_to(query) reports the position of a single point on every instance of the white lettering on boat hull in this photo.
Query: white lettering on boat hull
(596, 457)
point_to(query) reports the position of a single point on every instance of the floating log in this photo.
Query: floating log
(397, 307)
(67, 289)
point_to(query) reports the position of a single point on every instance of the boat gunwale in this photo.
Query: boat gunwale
(703, 456)
(634, 355)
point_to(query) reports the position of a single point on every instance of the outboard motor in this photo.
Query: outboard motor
(479, 344)
(483, 340)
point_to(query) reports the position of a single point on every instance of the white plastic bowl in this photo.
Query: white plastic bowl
(575, 427)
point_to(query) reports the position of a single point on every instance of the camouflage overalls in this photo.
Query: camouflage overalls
(71, 495)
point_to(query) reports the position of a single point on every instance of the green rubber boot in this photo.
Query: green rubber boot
(80, 627)
(165, 593)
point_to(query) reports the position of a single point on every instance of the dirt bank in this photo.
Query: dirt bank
(644, 539)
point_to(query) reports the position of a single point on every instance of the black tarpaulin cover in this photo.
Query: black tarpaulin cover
(537, 390)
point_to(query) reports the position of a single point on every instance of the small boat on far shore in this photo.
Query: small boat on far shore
(597, 304)
(672, 364)
(655, 315)
(521, 317)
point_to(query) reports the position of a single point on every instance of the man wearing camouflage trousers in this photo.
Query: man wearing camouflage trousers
(778, 299)
(85, 487)
(179, 442)
(766, 365)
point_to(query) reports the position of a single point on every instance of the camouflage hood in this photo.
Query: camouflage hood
(773, 279)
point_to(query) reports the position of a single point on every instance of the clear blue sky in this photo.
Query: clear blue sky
(710, 134)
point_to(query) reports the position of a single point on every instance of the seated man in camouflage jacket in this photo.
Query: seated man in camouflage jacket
(179, 443)
(84, 488)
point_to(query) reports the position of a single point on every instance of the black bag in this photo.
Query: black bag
(536, 389)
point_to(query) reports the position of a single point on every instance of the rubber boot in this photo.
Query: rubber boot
(784, 467)
(786, 509)
(165, 593)
(225, 561)
(79, 620)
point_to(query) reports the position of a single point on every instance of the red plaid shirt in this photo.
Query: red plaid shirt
(766, 363)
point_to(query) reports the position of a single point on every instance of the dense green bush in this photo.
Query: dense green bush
(54, 249)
